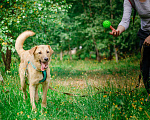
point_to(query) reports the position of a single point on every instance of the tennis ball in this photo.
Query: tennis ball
(106, 24)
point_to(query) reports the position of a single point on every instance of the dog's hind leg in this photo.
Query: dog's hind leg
(22, 79)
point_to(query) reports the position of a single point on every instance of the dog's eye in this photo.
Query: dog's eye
(47, 51)
(39, 52)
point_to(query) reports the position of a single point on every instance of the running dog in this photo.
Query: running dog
(35, 65)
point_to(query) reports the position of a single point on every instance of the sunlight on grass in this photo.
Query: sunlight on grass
(113, 81)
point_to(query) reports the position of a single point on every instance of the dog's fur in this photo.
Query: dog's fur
(40, 57)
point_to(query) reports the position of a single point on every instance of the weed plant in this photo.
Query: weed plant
(113, 80)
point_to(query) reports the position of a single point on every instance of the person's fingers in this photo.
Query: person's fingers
(112, 33)
(146, 43)
(118, 33)
(112, 28)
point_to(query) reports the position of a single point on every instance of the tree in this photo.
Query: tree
(89, 16)
(66, 25)
(43, 17)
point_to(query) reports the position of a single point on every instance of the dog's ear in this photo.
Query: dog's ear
(51, 51)
(32, 50)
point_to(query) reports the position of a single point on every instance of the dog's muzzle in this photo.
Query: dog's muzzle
(44, 64)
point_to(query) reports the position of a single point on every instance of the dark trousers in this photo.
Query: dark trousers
(146, 59)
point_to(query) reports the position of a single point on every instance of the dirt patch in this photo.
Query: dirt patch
(98, 82)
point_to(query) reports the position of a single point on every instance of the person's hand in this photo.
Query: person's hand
(115, 33)
(147, 41)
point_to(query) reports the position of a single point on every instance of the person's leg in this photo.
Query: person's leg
(146, 61)
(145, 68)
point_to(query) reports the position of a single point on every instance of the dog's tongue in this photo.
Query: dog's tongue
(44, 66)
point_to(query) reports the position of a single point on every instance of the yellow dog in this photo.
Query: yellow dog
(34, 63)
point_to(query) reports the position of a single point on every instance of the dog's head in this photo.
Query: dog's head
(42, 54)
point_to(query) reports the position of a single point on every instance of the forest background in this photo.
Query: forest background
(67, 25)
(105, 68)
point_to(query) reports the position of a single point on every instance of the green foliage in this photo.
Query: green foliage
(93, 56)
(74, 57)
(43, 17)
(89, 16)
(82, 56)
(66, 25)
(66, 57)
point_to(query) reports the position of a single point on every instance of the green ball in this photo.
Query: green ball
(106, 24)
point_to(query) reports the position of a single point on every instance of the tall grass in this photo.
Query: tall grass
(114, 80)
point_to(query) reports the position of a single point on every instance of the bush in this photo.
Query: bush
(74, 57)
(82, 56)
(93, 56)
(66, 57)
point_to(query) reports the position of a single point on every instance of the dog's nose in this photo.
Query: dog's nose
(46, 59)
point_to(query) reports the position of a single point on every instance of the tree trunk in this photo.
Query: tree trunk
(116, 53)
(97, 52)
(97, 55)
(70, 52)
(61, 55)
(110, 47)
(6, 58)
(83, 6)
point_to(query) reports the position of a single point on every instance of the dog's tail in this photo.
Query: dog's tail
(20, 40)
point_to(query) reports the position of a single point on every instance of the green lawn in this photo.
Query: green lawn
(113, 80)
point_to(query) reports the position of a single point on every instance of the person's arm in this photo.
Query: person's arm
(124, 24)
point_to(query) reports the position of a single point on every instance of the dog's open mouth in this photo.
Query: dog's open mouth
(44, 65)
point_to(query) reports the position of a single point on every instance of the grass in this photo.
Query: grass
(80, 77)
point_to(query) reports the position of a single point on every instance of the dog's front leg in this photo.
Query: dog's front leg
(32, 96)
(45, 89)
(36, 94)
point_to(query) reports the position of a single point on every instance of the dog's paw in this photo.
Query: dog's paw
(34, 110)
(24, 97)
(44, 105)
(36, 100)
(44, 110)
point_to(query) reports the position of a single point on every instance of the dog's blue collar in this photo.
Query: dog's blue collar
(43, 72)
(32, 65)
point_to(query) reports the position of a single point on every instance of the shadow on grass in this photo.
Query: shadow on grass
(63, 72)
